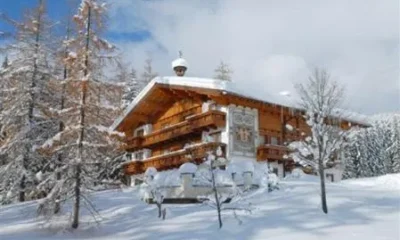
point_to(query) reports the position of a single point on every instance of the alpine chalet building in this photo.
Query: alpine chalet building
(180, 119)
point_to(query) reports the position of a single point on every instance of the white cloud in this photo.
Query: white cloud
(271, 44)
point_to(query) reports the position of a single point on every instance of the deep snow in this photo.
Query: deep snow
(362, 209)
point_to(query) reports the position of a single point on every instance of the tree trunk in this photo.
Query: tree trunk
(217, 202)
(323, 192)
(57, 206)
(159, 209)
(77, 193)
(22, 189)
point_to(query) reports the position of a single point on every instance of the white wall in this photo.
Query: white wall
(336, 172)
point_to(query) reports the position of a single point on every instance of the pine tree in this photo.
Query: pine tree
(131, 84)
(90, 104)
(25, 100)
(148, 73)
(378, 149)
(223, 72)
(5, 63)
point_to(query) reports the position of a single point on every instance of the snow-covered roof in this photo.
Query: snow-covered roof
(226, 86)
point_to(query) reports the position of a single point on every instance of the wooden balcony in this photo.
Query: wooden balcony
(197, 154)
(272, 152)
(196, 123)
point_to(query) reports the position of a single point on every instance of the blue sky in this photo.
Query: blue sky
(58, 10)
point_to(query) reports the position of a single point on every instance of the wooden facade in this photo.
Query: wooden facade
(176, 122)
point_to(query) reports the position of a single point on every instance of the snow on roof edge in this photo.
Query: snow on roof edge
(171, 80)
(216, 84)
(132, 105)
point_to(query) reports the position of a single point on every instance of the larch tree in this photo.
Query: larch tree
(320, 97)
(223, 72)
(54, 176)
(90, 104)
(25, 98)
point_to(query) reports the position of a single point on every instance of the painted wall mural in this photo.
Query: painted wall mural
(243, 131)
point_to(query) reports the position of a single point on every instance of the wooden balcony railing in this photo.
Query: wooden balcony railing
(210, 119)
(272, 152)
(195, 153)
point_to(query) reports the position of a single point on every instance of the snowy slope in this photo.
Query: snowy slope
(364, 209)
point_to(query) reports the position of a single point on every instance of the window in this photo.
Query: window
(275, 170)
(139, 155)
(166, 150)
(274, 141)
(330, 176)
(140, 133)
(212, 106)
(261, 140)
(215, 137)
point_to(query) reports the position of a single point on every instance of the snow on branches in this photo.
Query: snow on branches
(90, 103)
(320, 96)
(25, 98)
(375, 150)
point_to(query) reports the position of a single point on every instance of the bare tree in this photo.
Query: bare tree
(223, 72)
(320, 97)
(221, 201)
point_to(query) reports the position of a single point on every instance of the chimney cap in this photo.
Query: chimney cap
(179, 62)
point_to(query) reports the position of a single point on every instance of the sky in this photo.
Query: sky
(270, 45)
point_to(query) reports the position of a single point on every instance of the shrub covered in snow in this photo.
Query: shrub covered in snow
(273, 182)
(150, 172)
(167, 178)
(248, 166)
(187, 168)
(297, 173)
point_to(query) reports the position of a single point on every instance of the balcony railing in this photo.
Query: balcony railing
(272, 152)
(210, 119)
(195, 153)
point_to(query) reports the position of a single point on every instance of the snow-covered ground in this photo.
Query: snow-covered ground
(367, 209)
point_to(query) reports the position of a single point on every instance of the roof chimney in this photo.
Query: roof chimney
(179, 65)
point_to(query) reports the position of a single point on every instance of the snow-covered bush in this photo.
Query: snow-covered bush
(188, 168)
(296, 173)
(273, 182)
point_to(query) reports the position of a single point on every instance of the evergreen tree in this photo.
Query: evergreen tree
(130, 83)
(5, 63)
(148, 73)
(378, 149)
(223, 72)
